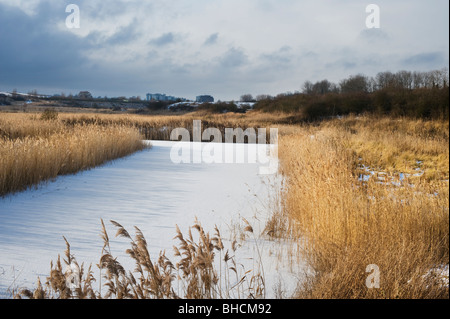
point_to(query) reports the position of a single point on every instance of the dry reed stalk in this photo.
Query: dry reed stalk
(348, 224)
(400, 145)
(27, 161)
(196, 268)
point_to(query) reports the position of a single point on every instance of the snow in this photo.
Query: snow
(149, 191)
(245, 104)
(441, 272)
(383, 178)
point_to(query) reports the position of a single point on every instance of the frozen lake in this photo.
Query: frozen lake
(146, 190)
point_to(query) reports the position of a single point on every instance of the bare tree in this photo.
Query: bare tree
(404, 80)
(308, 87)
(372, 84)
(445, 79)
(355, 83)
(262, 97)
(322, 87)
(440, 77)
(418, 80)
(247, 98)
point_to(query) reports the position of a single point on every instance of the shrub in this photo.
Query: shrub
(49, 115)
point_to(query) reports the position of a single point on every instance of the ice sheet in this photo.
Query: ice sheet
(146, 190)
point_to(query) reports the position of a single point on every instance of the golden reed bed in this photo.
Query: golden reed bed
(348, 225)
(345, 224)
(34, 150)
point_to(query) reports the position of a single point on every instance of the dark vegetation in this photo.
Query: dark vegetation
(401, 94)
(219, 107)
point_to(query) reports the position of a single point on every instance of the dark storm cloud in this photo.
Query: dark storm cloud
(32, 51)
(35, 53)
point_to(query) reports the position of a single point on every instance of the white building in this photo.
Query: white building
(205, 99)
(156, 97)
(162, 97)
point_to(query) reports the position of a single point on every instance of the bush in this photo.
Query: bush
(417, 103)
(49, 115)
(219, 107)
(157, 105)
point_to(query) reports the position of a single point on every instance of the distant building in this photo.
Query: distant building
(156, 97)
(204, 99)
(163, 97)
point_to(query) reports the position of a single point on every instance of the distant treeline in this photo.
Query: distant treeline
(411, 94)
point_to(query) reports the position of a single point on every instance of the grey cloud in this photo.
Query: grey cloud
(281, 57)
(342, 64)
(212, 39)
(125, 34)
(35, 54)
(426, 59)
(373, 35)
(34, 51)
(234, 58)
(165, 39)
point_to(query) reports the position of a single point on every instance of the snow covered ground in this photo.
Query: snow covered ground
(146, 190)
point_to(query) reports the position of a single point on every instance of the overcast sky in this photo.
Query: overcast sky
(225, 48)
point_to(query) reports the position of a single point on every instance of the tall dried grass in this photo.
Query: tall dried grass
(397, 145)
(347, 224)
(159, 127)
(205, 269)
(33, 150)
(152, 127)
(21, 125)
